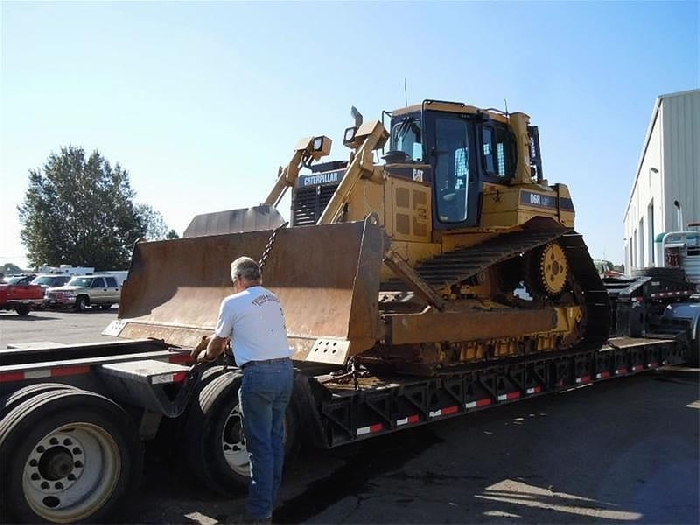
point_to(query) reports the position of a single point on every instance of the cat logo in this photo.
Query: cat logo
(417, 175)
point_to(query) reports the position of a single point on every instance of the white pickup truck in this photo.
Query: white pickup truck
(83, 292)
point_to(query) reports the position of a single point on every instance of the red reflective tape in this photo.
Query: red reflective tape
(483, 402)
(604, 375)
(180, 359)
(653, 365)
(179, 376)
(415, 418)
(450, 410)
(513, 395)
(621, 371)
(70, 371)
(376, 428)
(11, 376)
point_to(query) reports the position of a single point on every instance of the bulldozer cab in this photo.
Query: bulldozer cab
(458, 148)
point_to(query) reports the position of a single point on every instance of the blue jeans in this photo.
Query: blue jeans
(264, 395)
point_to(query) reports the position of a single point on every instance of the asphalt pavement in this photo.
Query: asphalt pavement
(621, 451)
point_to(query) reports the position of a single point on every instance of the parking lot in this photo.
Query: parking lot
(625, 450)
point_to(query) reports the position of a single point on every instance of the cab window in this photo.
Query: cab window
(451, 168)
(111, 282)
(499, 151)
(98, 283)
(406, 137)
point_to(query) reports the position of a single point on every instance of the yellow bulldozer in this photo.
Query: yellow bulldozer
(438, 244)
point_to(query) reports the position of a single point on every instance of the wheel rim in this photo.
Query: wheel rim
(71, 472)
(233, 444)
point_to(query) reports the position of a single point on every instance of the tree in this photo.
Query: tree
(154, 224)
(79, 212)
(9, 268)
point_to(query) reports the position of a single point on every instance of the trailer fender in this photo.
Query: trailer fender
(68, 456)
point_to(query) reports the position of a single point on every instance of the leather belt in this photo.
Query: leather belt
(266, 361)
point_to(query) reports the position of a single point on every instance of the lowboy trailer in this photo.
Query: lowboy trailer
(73, 419)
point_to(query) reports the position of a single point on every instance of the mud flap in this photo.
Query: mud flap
(327, 279)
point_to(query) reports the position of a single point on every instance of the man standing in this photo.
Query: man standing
(252, 318)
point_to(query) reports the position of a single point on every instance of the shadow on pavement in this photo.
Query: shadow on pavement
(32, 317)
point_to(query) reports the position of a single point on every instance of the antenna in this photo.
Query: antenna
(505, 102)
(405, 96)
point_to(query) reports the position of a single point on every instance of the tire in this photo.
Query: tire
(13, 399)
(661, 272)
(42, 442)
(106, 306)
(81, 303)
(171, 433)
(22, 309)
(216, 452)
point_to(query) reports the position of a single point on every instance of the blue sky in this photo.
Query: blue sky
(201, 102)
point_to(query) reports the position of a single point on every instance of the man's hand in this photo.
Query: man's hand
(209, 348)
(199, 352)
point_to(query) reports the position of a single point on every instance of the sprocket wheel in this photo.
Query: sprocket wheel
(553, 269)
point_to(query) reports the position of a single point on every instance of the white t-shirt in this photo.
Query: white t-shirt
(254, 321)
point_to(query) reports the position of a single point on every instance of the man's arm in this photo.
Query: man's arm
(216, 347)
(209, 348)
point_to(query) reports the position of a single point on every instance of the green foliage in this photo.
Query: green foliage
(79, 211)
(9, 269)
(172, 234)
(153, 222)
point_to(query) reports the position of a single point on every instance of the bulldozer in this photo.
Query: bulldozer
(437, 244)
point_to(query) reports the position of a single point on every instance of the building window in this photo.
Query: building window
(650, 218)
(640, 247)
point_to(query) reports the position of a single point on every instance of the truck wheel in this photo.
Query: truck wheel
(22, 309)
(81, 303)
(68, 456)
(13, 399)
(216, 450)
(106, 306)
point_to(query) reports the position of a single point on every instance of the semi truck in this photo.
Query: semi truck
(446, 280)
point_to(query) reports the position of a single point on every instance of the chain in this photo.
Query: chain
(270, 243)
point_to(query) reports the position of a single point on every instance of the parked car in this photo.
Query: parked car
(17, 293)
(51, 280)
(83, 292)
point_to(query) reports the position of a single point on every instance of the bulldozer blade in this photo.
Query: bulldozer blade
(327, 279)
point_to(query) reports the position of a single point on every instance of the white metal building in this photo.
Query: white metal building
(668, 171)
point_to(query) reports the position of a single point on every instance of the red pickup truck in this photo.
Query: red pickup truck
(17, 294)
